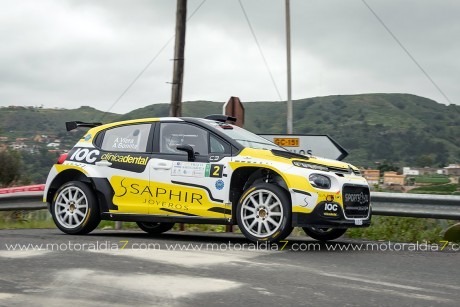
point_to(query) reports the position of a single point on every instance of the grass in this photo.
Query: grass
(433, 179)
(26, 219)
(42, 219)
(400, 229)
(436, 189)
(384, 228)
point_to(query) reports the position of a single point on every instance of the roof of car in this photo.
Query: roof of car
(138, 120)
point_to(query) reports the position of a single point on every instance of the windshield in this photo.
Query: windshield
(246, 138)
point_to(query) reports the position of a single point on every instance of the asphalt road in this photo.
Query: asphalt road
(119, 268)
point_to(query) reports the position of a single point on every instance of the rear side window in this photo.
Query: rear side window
(132, 138)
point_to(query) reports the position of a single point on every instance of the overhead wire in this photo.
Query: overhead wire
(148, 64)
(406, 51)
(260, 50)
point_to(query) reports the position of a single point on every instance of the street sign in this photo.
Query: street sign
(234, 107)
(308, 144)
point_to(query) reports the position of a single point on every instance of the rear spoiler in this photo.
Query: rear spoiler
(221, 118)
(74, 125)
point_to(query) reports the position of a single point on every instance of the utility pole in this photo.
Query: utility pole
(288, 52)
(178, 70)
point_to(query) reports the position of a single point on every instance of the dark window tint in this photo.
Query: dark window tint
(216, 145)
(173, 134)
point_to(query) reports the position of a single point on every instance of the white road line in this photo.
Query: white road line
(394, 292)
(375, 282)
(18, 254)
(183, 258)
(5, 296)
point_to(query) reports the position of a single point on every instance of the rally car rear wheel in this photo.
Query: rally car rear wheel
(324, 234)
(155, 228)
(264, 213)
(75, 209)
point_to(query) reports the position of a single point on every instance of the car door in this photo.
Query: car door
(125, 153)
(198, 188)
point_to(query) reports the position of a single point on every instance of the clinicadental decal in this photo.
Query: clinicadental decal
(133, 162)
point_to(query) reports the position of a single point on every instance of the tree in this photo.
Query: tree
(425, 160)
(387, 167)
(10, 165)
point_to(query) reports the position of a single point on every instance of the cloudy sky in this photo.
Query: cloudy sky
(68, 53)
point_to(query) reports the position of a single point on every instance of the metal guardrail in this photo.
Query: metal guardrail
(22, 201)
(416, 205)
(386, 204)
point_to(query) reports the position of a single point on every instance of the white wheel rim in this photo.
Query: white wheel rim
(262, 213)
(71, 207)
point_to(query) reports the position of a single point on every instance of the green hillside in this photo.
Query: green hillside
(400, 128)
(24, 121)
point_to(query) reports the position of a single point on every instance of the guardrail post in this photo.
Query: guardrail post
(118, 225)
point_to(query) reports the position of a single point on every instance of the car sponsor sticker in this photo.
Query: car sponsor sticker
(85, 155)
(220, 184)
(87, 137)
(197, 169)
(133, 162)
(125, 158)
(189, 169)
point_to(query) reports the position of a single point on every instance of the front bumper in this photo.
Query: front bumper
(318, 218)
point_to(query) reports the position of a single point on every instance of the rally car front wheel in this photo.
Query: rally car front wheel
(324, 234)
(264, 213)
(155, 228)
(75, 209)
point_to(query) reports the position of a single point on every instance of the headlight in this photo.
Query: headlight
(320, 181)
(310, 166)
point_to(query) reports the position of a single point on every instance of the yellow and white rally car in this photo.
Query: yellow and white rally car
(161, 171)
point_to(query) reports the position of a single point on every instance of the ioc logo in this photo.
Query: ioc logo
(85, 154)
(330, 207)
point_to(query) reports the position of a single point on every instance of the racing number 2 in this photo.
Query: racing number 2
(216, 170)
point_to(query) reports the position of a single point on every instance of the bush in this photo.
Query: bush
(401, 229)
(9, 167)
(436, 189)
(435, 179)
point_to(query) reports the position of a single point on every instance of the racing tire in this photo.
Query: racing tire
(324, 234)
(75, 209)
(155, 228)
(264, 213)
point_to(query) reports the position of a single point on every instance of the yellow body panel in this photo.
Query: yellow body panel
(61, 167)
(134, 195)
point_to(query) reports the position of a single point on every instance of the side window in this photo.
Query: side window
(131, 138)
(173, 134)
(217, 146)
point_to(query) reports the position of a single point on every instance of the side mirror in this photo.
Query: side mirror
(189, 150)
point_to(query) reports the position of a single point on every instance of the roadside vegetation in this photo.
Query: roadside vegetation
(402, 229)
(396, 229)
(432, 179)
(434, 184)
(437, 189)
(25, 219)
